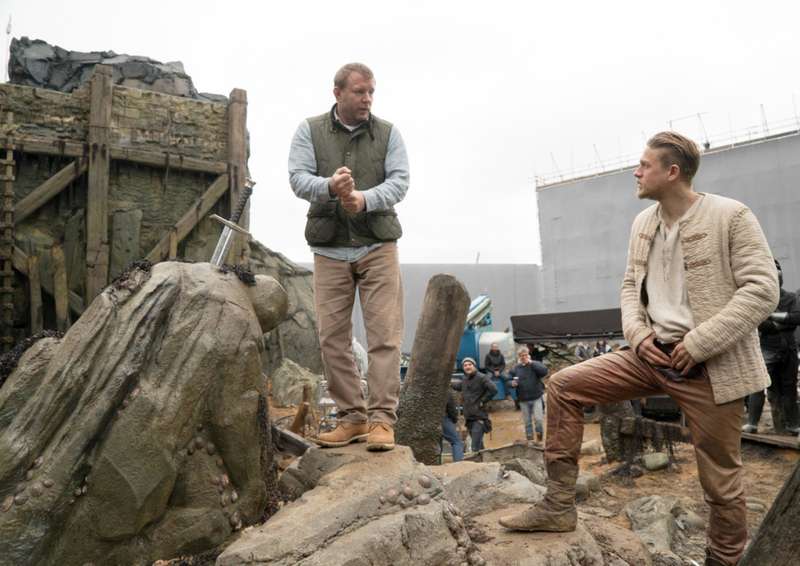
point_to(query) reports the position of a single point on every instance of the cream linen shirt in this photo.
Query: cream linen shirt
(668, 299)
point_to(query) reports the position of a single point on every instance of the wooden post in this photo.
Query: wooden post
(76, 302)
(300, 418)
(237, 160)
(37, 316)
(775, 543)
(61, 293)
(7, 248)
(97, 251)
(424, 394)
(173, 243)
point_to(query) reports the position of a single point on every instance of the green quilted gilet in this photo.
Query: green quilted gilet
(363, 151)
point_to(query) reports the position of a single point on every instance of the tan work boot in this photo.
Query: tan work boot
(344, 434)
(556, 512)
(381, 437)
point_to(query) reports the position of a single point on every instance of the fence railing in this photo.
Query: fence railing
(709, 144)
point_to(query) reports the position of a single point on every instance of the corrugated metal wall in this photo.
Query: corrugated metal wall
(585, 225)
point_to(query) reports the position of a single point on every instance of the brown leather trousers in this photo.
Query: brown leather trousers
(715, 429)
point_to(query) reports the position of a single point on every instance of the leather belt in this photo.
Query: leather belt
(671, 373)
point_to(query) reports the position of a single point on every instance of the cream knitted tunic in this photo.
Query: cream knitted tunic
(732, 285)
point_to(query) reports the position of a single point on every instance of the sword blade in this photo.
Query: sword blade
(223, 246)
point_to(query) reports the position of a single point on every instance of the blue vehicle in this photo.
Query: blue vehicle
(478, 339)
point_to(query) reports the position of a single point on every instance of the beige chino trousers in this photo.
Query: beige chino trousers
(716, 433)
(380, 288)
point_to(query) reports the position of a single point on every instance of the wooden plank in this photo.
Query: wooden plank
(237, 158)
(160, 159)
(287, 441)
(781, 441)
(97, 200)
(47, 190)
(45, 145)
(775, 543)
(61, 294)
(199, 209)
(76, 303)
(37, 314)
(42, 145)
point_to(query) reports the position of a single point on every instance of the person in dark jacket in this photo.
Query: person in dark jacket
(600, 348)
(779, 348)
(449, 431)
(495, 363)
(476, 390)
(526, 378)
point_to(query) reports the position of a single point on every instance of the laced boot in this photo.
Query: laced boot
(556, 512)
(539, 437)
(344, 434)
(528, 437)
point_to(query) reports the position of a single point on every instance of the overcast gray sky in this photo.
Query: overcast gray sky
(486, 94)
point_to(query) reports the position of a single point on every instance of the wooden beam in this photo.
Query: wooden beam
(61, 293)
(37, 314)
(50, 188)
(237, 158)
(66, 148)
(160, 159)
(188, 221)
(287, 441)
(76, 302)
(97, 251)
(45, 145)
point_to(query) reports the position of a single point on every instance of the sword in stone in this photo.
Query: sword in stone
(232, 225)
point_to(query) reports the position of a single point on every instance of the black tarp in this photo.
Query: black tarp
(567, 326)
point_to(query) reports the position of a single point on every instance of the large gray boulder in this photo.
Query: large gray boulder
(140, 435)
(358, 515)
(286, 384)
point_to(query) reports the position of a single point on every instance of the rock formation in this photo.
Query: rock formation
(139, 435)
(358, 508)
(39, 64)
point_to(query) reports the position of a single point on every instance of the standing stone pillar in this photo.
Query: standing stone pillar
(433, 356)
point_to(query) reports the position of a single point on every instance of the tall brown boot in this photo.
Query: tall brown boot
(556, 512)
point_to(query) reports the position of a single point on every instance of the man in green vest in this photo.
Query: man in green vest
(353, 168)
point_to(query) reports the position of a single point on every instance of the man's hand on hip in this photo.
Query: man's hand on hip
(353, 201)
(681, 359)
(652, 355)
(342, 183)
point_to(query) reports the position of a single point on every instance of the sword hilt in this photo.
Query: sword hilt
(246, 192)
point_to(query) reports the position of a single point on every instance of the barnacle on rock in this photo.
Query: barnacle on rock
(391, 497)
(211, 449)
(36, 490)
(424, 481)
(409, 493)
(424, 499)
(37, 463)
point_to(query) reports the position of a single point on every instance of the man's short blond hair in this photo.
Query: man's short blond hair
(340, 79)
(675, 149)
